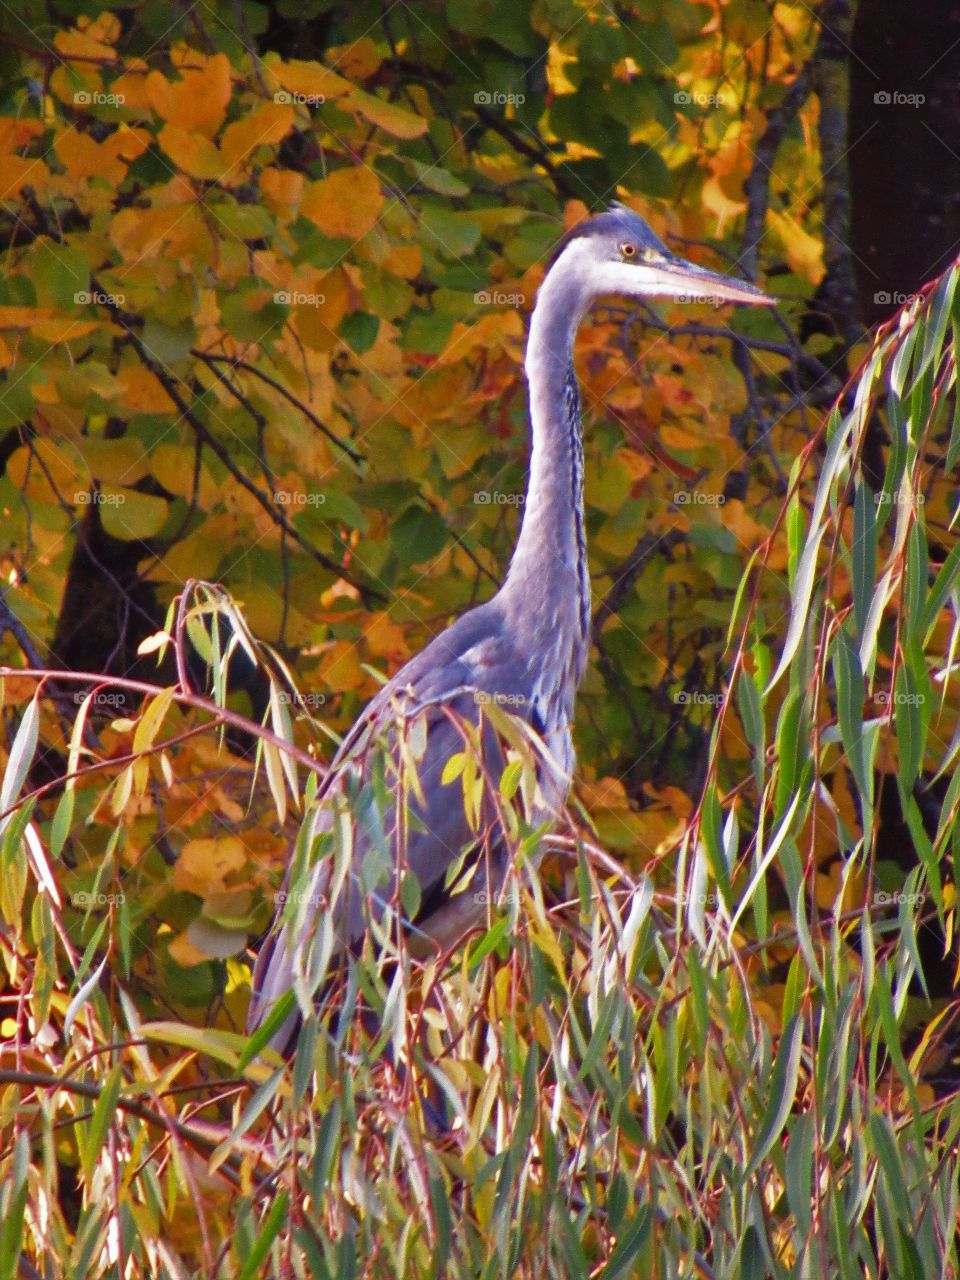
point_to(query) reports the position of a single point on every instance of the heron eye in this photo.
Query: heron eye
(628, 249)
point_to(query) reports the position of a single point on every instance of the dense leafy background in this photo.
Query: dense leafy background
(262, 317)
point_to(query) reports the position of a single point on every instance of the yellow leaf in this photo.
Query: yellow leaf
(78, 44)
(83, 157)
(121, 461)
(716, 200)
(310, 80)
(357, 61)
(173, 466)
(23, 317)
(491, 331)
(143, 391)
(196, 155)
(61, 467)
(281, 187)
(385, 639)
(392, 119)
(404, 260)
(132, 87)
(733, 515)
(347, 203)
(804, 251)
(127, 514)
(63, 330)
(205, 864)
(677, 438)
(267, 125)
(196, 102)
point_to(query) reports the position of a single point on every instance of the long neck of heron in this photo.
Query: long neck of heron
(547, 588)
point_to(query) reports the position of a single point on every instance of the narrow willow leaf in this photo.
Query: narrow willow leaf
(945, 583)
(260, 1100)
(81, 998)
(15, 1195)
(849, 681)
(283, 728)
(275, 778)
(62, 822)
(783, 1088)
(279, 1013)
(801, 589)
(95, 1134)
(751, 713)
(268, 1232)
(915, 584)
(630, 1240)
(696, 904)
(909, 722)
(799, 1171)
(21, 756)
(863, 554)
(489, 942)
(901, 361)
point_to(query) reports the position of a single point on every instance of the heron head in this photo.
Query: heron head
(617, 253)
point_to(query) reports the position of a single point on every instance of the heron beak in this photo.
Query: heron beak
(686, 282)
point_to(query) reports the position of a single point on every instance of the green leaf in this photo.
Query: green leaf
(783, 1088)
(265, 1237)
(95, 1133)
(20, 759)
(359, 330)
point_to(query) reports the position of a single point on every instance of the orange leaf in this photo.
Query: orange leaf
(347, 203)
(77, 44)
(310, 80)
(191, 152)
(198, 101)
(204, 865)
(143, 391)
(268, 124)
(281, 187)
(23, 317)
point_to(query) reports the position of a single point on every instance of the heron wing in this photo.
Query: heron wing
(432, 700)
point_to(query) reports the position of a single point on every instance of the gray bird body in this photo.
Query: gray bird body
(527, 646)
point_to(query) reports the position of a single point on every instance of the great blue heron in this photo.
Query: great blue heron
(526, 647)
